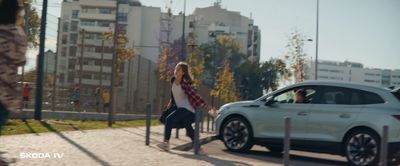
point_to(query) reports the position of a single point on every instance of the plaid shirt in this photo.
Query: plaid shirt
(12, 55)
(194, 98)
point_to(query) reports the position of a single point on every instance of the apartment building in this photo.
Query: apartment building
(82, 46)
(208, 22)
(353, 72)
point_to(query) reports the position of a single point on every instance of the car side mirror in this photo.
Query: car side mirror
(269, 101)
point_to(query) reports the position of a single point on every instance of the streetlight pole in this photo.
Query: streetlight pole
(182, 58)
(40, 61)
(114, 73)
(316, 43)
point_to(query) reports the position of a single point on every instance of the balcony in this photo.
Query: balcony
(93, 68)
(95, 28)
(98, 3)
(96, 16)
(97, 55)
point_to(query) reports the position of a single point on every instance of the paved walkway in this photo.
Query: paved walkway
(123, 146)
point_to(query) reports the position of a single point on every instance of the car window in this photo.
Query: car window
(372, 98)
(339, 95)
(289, 96)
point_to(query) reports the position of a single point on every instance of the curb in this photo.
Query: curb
(188, 146)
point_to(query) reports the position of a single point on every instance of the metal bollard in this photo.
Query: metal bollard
(286, 143)
(384, 147)
(201, 122)
(208, 122)
(212, 124)
(177, 133)
(148, 122)
(196, 141)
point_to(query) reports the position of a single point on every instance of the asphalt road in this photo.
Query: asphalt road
(261, 156)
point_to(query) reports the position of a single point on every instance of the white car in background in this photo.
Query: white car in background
(336, 117)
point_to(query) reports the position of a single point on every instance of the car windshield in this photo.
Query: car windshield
(396, 92)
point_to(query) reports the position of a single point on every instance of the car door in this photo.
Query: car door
(271, 124)
(333, 113)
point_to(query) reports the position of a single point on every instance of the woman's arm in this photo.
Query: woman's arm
(194, 98)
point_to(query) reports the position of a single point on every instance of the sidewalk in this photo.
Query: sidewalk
(123, 146)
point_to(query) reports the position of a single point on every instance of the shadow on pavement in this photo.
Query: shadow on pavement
(211, 160)
(5, 161)
(140, 134)
(81, 148)
(31, 130)
(277, 158)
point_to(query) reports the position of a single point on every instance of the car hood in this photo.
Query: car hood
(239, 104)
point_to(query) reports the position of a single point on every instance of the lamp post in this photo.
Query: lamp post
(316, 43)
(113, 88)
(214, 35)
(40, 62)
(182, 57)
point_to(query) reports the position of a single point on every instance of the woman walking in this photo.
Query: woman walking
(186, 100)
(12, 55)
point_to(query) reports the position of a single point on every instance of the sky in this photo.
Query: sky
(365, 31)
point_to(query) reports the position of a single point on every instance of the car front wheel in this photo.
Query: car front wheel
(237, 135)
(362, 148)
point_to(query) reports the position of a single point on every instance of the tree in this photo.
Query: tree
(225, 87)
(255, 78)
(32, 24)
(295, 57)
(248, 78)
(31, 76)
(224, 49)
(124, 53)
(196, 63)
(167, 63)
(270, 71)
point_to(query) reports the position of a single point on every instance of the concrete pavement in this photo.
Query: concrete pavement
(123, 146)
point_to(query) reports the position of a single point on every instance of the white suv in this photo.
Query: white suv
(335, 117)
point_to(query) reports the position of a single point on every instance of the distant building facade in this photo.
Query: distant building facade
(204, 22)
(354, 72)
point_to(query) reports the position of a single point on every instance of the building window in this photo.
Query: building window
(104, 10)
(71, 77)
(62, 77)
(63, 65)
(89, 10)
(64, 39)
(71, 64)
(75, 13)
(73, 38)
(65, 27)
(74, 26)
(72, 51)
(88, 23)
(123, 17)
(86, 76)
(97, 62)
(103, 23)
(96, 76)
(89, 49)
(64, 51)
(107, 62)
(85, 62)
(369, 74)
(369, 81)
